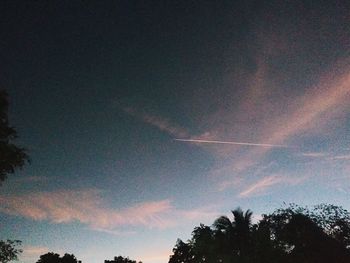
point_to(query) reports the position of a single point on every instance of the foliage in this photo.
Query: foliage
(9, 250)
(182, 253)
(11, 156)
(292, 234)
(121, 259)
(52, 257)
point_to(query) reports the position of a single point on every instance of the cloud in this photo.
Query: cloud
(32, 253)
(84, 206)
(263, 115)
(263, 185)
(158, 122)
(35, 250)
(342, 157)
(87, 207)
(314, 154)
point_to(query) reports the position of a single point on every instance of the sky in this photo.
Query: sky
(144, 119)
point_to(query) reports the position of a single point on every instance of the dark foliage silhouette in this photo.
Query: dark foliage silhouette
(121, 259)
(9, 250)
(52, 257)
(293, 234)
(182, 253)
(11, 156)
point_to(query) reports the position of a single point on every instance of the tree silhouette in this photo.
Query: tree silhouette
(68, 258)
(203, 244)
(293, 234)
(11, 156)
(121, 259)
(8, 250)
(182, 253)
(235, 234)
(52, 257)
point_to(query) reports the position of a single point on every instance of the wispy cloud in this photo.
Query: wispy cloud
(269, 119)
(84, 206)
(263, 185)
(161, 123)
(315, 154)
(32, 253)
(342, 157)
(87, 207)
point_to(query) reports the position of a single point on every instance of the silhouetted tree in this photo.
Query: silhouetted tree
(121, 259)
(203, 244)
(8, 250)
(182, 253)
(293, 234)
(52, 257)
(68, 258)
(306, 235)
(236, 234)
(11, 156)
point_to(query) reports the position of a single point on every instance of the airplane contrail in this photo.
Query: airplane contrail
(233, 143)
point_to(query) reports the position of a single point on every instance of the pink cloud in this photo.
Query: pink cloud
(32, 253)
(162, 124)
(84, 206)
(264, 118)
(342, 157)
(87, 207)
(314, 154)
(263, 185)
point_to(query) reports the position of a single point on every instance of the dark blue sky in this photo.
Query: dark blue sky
(99, 91)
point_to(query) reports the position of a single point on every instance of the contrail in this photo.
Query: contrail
(233, 143)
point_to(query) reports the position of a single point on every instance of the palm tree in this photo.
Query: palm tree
(234, 236)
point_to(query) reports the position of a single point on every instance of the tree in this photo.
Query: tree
(121, 259)
(8, 250)
(11, 156)
(182, 253)
(292, 234)
(308, 235)
(234, 236)
(203, 244)
(68, 258)
(52, 257)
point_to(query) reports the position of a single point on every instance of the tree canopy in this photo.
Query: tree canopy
(11, 157)
(52, 257)
(121, 259)
(292, 234)
(9, 250)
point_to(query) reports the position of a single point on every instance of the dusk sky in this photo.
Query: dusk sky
(143, 119)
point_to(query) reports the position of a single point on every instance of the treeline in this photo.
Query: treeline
(289, 235)
(52, 257)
